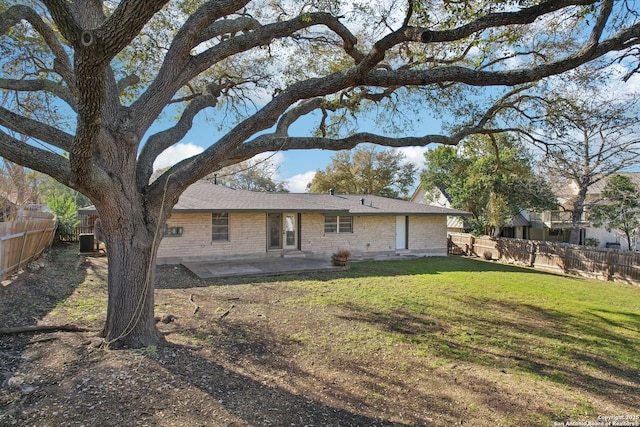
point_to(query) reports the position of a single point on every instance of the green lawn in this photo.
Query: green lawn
(497, 309)
(582, 336)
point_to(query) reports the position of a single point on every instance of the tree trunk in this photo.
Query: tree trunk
(576, 214)
(574, 236)
(132, 253)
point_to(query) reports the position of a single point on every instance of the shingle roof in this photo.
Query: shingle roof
(207, 197)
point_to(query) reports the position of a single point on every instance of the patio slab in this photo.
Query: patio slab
(258, 267)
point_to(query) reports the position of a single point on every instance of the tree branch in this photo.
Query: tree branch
(227, 26)
(122, 26)
(40, 85)
(127, 82)
(44, 328)
(63, 16)
(62, 63)
(35, 129)
(491, 20)
(622, 40)
(160, 141)
(35, 158)
(170, 76)
(598, 28)
(267, 143)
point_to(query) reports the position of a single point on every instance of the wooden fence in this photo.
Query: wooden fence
(22, 242)
(603, 264)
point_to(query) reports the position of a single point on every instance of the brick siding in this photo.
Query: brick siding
(372, 235)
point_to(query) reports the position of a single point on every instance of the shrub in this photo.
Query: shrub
(592, 241)
(340, 258)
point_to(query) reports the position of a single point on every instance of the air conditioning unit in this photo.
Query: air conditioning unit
(86, 243)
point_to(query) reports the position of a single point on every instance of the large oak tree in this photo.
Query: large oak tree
(93, 77)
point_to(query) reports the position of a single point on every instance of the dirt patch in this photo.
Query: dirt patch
(247, 353)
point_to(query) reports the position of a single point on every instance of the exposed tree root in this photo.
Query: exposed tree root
(196, 306)
(44, 328)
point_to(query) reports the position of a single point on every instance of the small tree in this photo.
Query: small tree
(66, 210)
(619, 208)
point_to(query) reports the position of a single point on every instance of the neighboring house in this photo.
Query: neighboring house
(606, 238)
(516, 228)
(556, 225)
(214, 222)
(440, 198)
(552, 225)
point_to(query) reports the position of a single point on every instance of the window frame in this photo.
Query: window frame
(336, 227)
(217, 236)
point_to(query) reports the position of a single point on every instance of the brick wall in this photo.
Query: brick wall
(428, 235)
(375, 235)
(372, 235)
(247, 236)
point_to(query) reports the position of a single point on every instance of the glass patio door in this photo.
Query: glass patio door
(274, 231)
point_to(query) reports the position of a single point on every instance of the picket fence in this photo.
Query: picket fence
(22, 242)
(603, 264)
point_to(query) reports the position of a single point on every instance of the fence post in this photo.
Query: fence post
(533, 249)
(472, 241)
(610, 265)
(1, 261)
(24, 243)
(565, 258)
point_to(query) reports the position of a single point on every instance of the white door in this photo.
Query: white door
(401, 232)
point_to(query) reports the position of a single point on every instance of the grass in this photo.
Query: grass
(430, 341)
(449, 310)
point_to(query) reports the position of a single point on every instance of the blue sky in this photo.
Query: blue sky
(296, 167)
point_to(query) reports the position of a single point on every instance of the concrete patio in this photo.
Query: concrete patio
(258, 267)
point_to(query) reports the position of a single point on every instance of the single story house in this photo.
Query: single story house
(212, 222)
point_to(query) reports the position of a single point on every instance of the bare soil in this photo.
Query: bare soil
(243, 354)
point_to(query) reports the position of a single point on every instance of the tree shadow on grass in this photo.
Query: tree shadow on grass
(257, 382)
(583, 353)
(34, 293)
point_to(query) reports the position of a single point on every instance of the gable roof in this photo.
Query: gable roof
(207, 197)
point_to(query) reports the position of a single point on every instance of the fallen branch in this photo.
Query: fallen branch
(44, 328)
(197, 307)
(226, 313)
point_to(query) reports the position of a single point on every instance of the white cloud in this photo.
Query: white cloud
(272, 161)
(298, 183)
(414, 155)
(175, 154)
